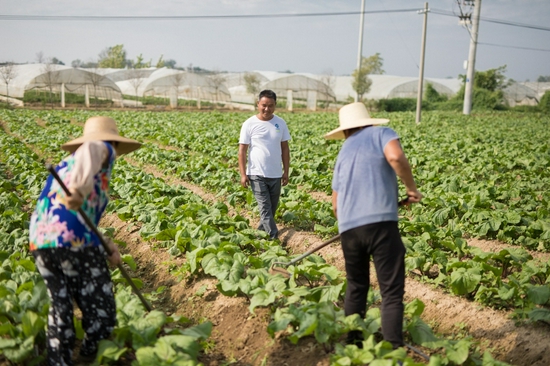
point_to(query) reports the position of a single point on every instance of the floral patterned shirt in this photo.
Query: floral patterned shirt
(55, 226)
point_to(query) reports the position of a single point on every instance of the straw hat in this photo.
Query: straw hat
(102, 129)
(352, 116)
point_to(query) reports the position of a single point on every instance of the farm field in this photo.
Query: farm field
(478, 287)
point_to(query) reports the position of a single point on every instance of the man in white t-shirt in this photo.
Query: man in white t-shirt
(264, 159)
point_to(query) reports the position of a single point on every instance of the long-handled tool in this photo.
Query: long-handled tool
(103, 243)
(279, 270)
(284, 272)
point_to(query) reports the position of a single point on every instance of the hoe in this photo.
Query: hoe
(276, 267)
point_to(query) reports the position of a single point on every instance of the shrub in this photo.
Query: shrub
(525, 109)
(544, 104)
(397, 105)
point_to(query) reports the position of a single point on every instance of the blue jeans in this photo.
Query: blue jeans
(267, 192)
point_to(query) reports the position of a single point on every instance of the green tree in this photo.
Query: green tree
(56, 61)
(139, 64)
(160, 62)
(369, 65)
(543, 79)
(171, 64)
(113, 57)
(374, 64)
(492, 79)
(431, 95)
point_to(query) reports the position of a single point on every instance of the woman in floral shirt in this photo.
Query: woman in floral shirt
(68, 254)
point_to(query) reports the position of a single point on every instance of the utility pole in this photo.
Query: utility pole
(469, 90)
(421, 72)
(360, 52)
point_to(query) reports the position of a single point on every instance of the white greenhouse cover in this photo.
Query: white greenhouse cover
(539, 87)
(164, 82)
(519, 94)
(237, 79)
(42, 76)
(121, 74)
(300, 86)
(389, 86)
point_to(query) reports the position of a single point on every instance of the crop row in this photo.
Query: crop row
(142, 337)
(509, 279)
(439, 252)
(228, 249)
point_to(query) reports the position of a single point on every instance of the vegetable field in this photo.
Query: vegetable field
(478, 287)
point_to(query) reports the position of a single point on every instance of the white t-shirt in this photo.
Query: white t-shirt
(264, 139)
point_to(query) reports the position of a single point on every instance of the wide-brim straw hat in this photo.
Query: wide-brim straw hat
(352, 116)
(102, 129)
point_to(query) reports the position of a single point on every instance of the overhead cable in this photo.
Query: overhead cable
(518, 47)
(490, 20)
(189, 17)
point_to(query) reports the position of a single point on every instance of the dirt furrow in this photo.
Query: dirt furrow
(238, 337)
(447, 314)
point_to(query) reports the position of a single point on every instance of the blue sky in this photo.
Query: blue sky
(299, 44)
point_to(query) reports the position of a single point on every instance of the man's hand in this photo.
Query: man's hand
(75, 200)
(284, 179)
(414, 196)
(244, 181)
(114, 258)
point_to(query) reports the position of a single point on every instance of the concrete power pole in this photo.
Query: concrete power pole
(469, 90)
(360, 52)
(421, 72)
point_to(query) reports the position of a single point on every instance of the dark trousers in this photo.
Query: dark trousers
(383, 242)
(79, 274)
(267, 192)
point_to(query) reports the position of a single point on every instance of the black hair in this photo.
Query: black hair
(268, 94)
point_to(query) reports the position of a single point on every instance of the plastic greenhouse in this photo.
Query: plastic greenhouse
(388, 86)
(60, 79)
(176, 84)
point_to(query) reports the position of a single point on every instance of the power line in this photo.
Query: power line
(490, 20)
(244, 16)
(518, 47)
(14, 17)
(189, 17)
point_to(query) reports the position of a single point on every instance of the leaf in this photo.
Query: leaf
(236, 272)
(199, 332)
(506, 292)
(538, 294)
(307, 325)
(540, 314)
(513, 217)
(32, 324)
(20, 353)
(414, 308)
(459, 352)
(129, 260)
(109, 350)
(281, 320)
(421, 333)
(261, 298)
(440, 216)
(464, 281)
